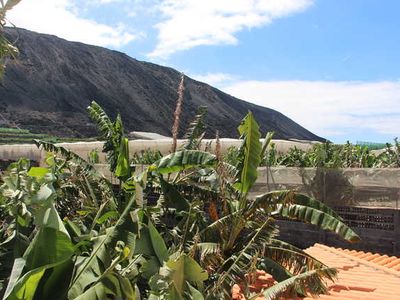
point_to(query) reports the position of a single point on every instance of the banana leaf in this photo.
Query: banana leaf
(249, 154)
(182, 160)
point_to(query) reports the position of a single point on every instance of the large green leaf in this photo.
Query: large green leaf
(309, 261)
(194, 294)
(150, 267)
(46, 282)
(95, 292)
(49, 246)
(151, 245)
(112, 286)
(45, 214)
(126, 231)
(55, 282)
(47, 261)
(249, 154)
(282, 257)
(184, 159)
(89, 269)
(144, 245)
(123, 170)
(51, 243)
(158, 244)
(305, 200)
(38, 172)
(184, 269)
(18, 266)
(318, 218)
(25, 288)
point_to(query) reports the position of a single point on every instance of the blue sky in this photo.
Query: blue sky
(331, 65)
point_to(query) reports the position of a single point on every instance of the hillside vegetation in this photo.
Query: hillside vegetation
(24, 136)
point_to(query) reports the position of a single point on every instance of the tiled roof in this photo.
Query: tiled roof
(363, 276)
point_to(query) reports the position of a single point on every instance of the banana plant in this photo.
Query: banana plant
(233, 241)
(97, 265)
(116, 144)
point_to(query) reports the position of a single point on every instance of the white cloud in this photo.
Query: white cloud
(107, 1)
(214, 78)
(60, 17)
(191, 23)
(332, 109)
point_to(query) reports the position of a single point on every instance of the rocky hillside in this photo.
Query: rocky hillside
(49, 87)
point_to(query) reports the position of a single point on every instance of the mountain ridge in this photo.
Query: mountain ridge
(48, 88)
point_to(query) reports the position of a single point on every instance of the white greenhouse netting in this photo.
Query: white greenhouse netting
(368, 187)
(30, 151)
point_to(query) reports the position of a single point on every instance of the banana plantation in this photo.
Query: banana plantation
(189, 224)
(184, 228)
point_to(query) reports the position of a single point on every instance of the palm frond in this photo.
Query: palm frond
(268, 232)
(208, 248)
(196, 129)
(209, 254)
(90, 173)
(221, 224)
(98, 115)
(297, 206)
(271, 199)
(273, 268)
(245, 259)
(65, 153)
(111, 132)
(291, 258)
(10, 4)
(311, 282)
(319, 218)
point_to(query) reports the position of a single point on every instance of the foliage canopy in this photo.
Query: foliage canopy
(185, 228)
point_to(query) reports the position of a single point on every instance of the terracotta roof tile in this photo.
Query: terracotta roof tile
(361, 275)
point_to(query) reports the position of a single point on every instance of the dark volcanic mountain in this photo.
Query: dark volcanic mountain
(49, 87)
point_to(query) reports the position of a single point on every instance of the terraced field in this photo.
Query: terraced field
(24, 136)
